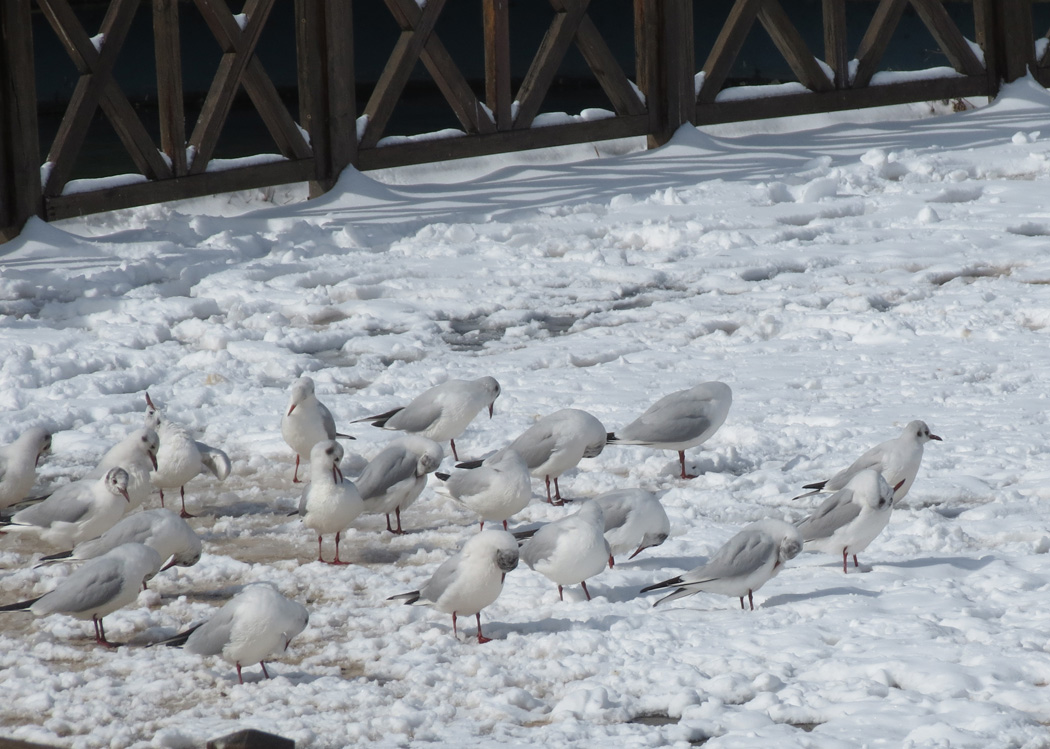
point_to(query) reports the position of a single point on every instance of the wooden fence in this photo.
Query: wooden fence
(673, 84)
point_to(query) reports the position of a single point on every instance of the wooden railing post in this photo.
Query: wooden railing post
(170, 103)
(498, 93)
(20, 192)
(665, 64)
(1015, 39)
(327, 86)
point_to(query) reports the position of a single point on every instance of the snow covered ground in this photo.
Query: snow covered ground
(842, 278)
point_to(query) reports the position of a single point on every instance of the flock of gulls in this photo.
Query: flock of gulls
(95, 522)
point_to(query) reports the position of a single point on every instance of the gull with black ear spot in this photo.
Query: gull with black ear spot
(306, 422)
(75, 512)
(18, 463)
(745, 563)
(136, 454)
(897, 460)
(443, 412)
(851, 518)
(395, 478)
(470, 580)
(680, 420)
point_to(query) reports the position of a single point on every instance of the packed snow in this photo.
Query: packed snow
(842, 277)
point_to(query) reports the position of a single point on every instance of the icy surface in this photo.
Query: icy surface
(843, 279)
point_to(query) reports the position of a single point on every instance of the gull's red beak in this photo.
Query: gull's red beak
(149, 402)
(490, 410)
(124, 493)
(169, 565)
(290, 409)
(610, 561)
(637, 551)
(899, 485)
(935, 437)
(153, 460)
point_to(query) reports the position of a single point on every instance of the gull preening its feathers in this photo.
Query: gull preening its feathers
(570, 550)
(470, 580)
(180, 458)
(634, 520)
(745, 563)
(329, 503)
(851, 518)
(443, 412)
(680, 420)
(497, 489)
(255, 625)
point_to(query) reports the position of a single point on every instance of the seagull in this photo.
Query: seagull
(634, 519)
(98, 588)
(743, 565)
(680, 420)
(180, 458)
(18, 462)
(466, 583)
(76, 512)
(256, 624)
(570, 550)
(852, 517)
(307, 421)
(556, 443)
(136, 454)
(897, 460)
(442, 412)
(495, 490)
(329, 504)
(162, 530)
(395, 477)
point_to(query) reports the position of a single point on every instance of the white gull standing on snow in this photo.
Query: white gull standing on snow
(395, 477)
(557, 443)
(570, 550)
(329, 504)
(18, 462)
(98, 588)
(255, 625)
(851, 518)
(495, 490)
(160, 529)
(77, 511)
(742, 565)
(634, 520)
(443, 412)
(897, 460)
(306, 422)
(180, 458)
(680, 420)
(136, 454)
(470, 580)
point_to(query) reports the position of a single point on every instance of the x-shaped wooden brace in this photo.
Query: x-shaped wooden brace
(239, 66)
(419, 42)
(571, 22)
(95, 88)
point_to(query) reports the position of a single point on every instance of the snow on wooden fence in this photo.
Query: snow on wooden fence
(673, 84)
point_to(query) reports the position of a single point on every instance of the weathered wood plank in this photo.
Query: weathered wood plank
(833, 101)
(310, 49)
(170, 101)
(398, 68)
(681, 62)
(342, 85)
(178, 188)
(428, 151)
(873, 45)
(19, 140)
(606, 69)
(727, 47)
(792, 46)
(1015, 23)
(450, 81)
(497, 61)
(836, 40)
(948, 36)
(555, 44)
